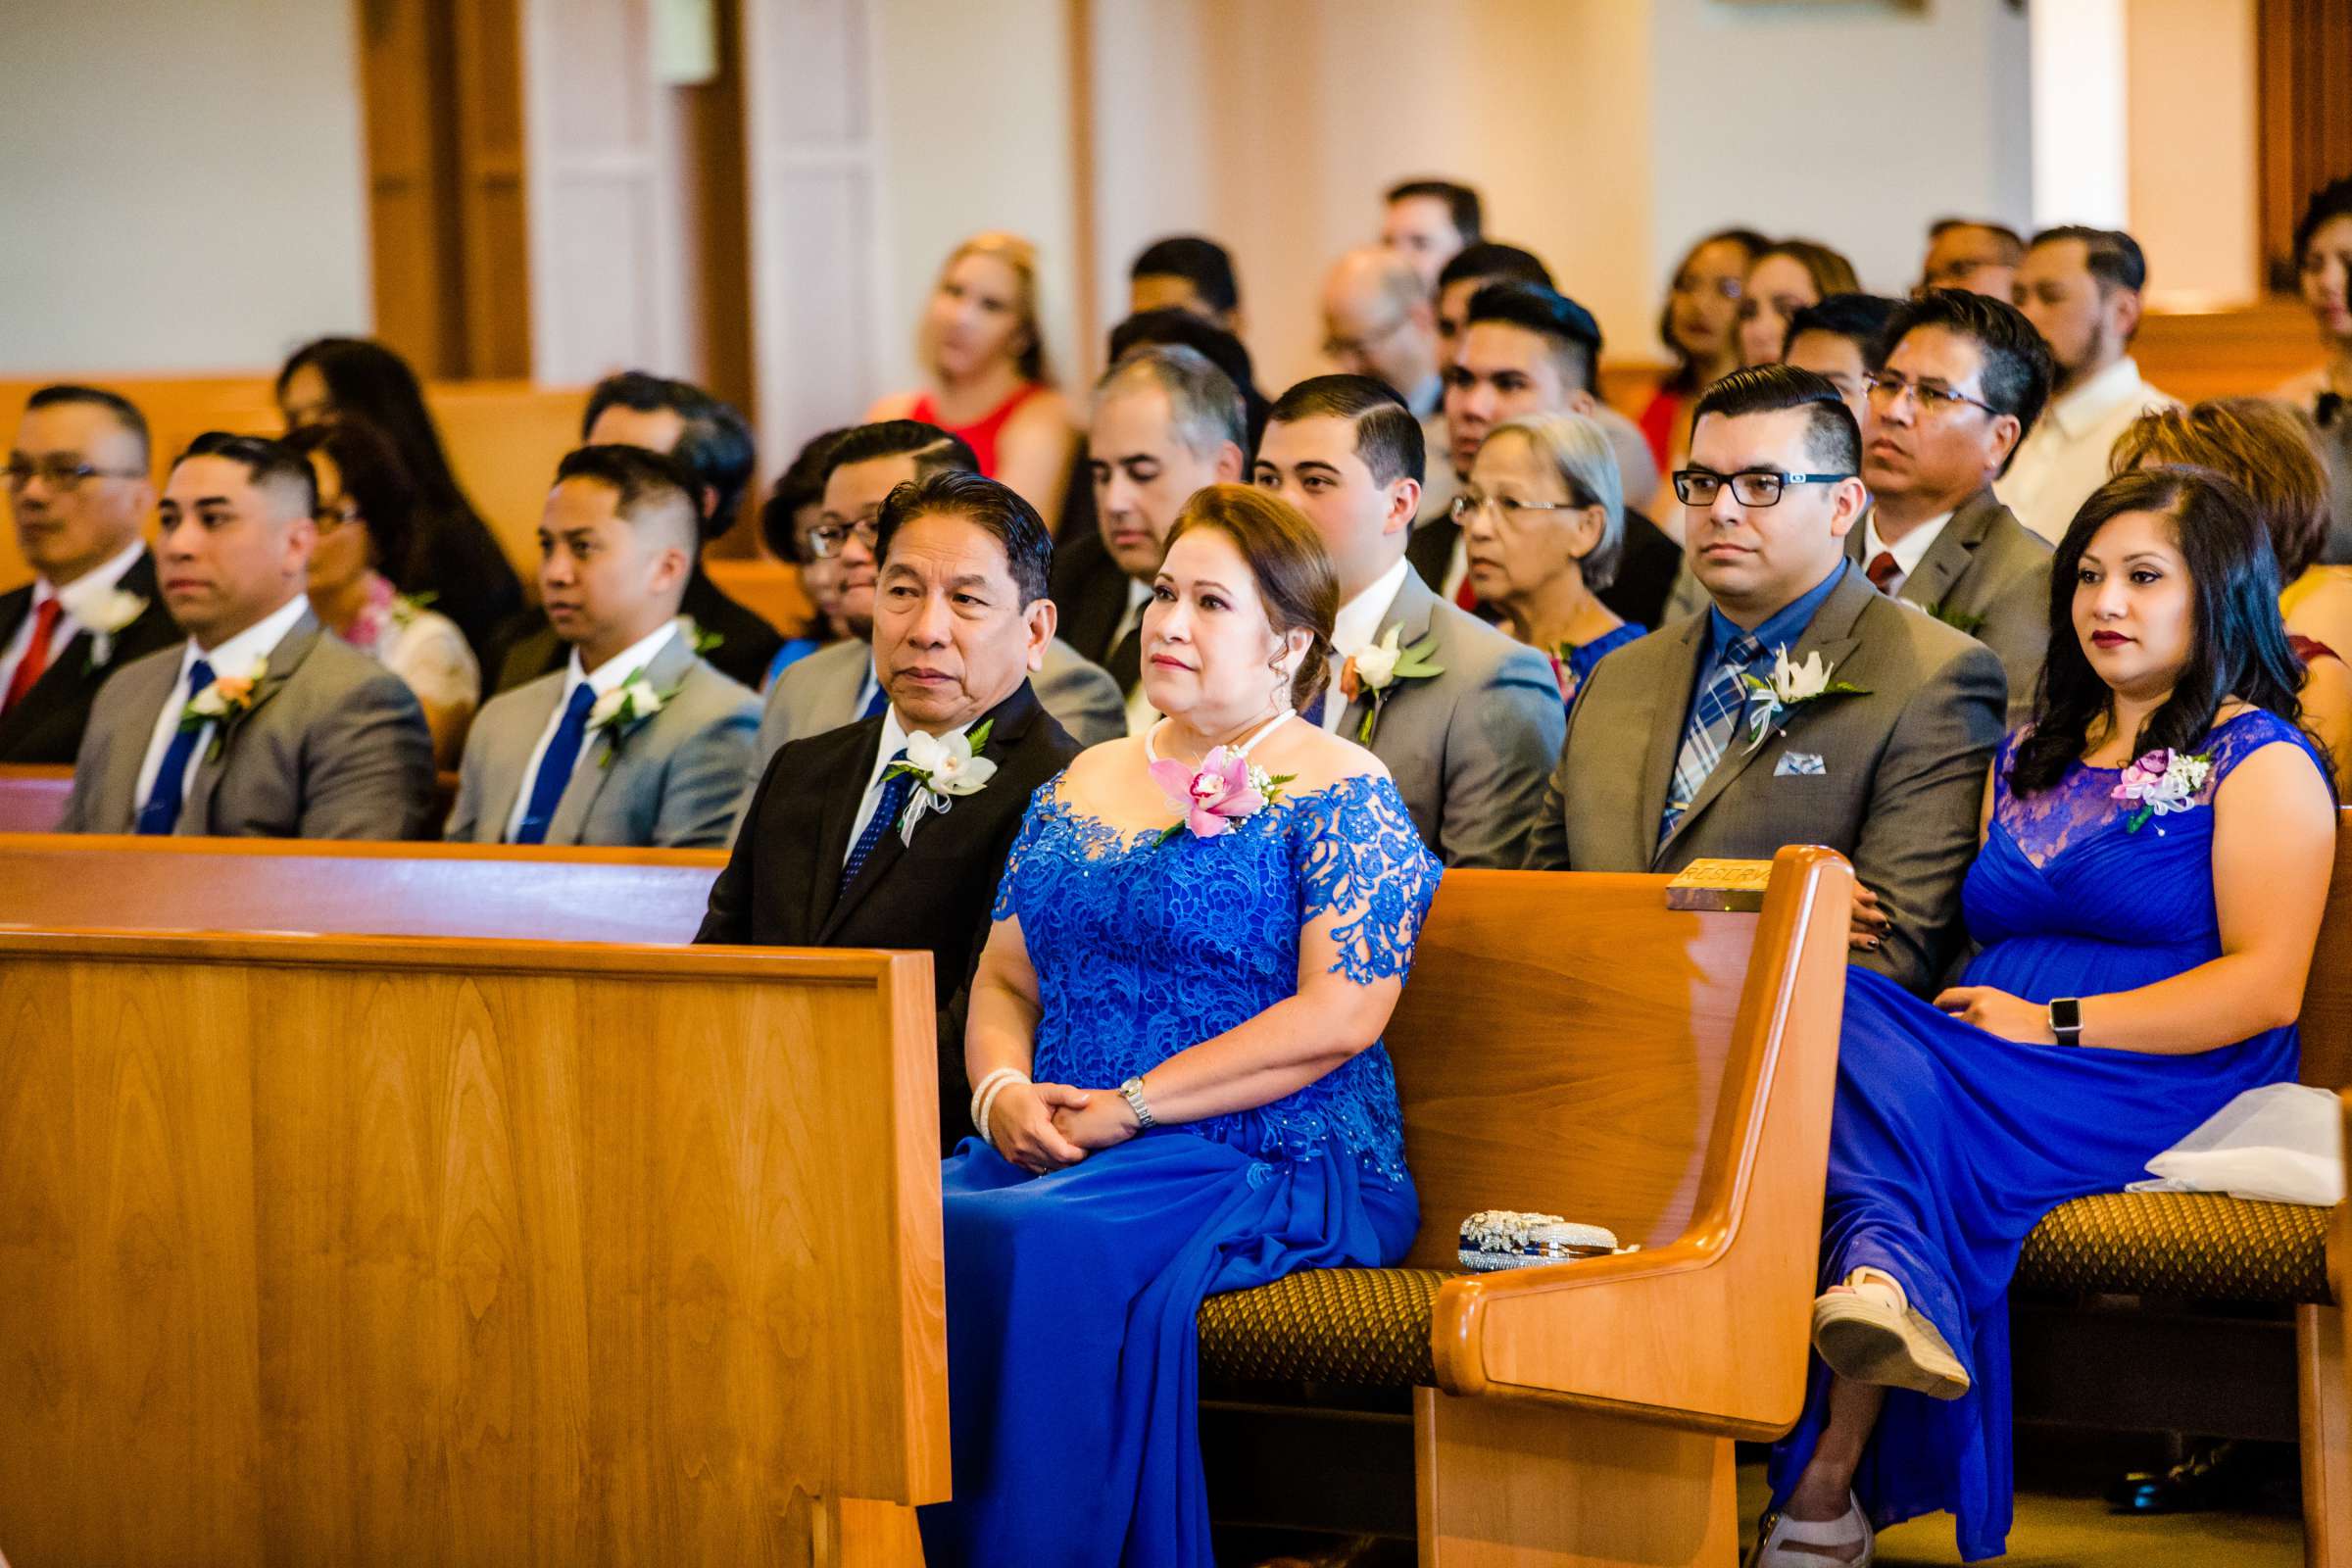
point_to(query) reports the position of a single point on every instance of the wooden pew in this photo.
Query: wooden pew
(321, 1251)
(101, 882)
(32, 800)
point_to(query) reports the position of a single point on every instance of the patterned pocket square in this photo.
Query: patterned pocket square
(1799, 764)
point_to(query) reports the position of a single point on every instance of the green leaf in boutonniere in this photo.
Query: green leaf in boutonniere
(945, 768)
(1791, 686)
(619, 713)
(701, 641)
(1374, 673)
(1957, 619)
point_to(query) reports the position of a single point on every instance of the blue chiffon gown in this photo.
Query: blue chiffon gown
(1072, 1351)
(1948, 1145)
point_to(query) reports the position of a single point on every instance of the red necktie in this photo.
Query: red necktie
(36, 654)
(1882, 571)
(1466, 597)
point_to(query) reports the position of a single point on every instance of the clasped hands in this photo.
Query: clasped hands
(1045, 1127)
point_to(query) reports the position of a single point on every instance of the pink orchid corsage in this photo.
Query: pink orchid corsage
(2161, 782)
(1223, 790)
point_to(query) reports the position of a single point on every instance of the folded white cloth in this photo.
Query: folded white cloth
(2282, 1143)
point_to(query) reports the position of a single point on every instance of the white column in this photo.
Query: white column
(2082, 134)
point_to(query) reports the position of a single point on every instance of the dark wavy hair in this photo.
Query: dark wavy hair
(2238, 645)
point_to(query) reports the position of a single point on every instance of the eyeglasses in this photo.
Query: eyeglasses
(1750, 487)
(1470, 503)
(1336, 347)
(62, 473)
(1886, 391)
(340, 514)
(829, 539)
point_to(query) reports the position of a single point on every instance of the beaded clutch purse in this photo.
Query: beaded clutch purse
(1503, 1237)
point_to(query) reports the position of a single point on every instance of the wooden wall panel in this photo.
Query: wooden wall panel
(2304, 99)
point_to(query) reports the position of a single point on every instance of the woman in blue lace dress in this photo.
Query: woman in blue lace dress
(2155, 861)
(1198, 937)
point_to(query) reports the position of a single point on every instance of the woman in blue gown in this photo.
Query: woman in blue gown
(1195, 962)
(2155, 860)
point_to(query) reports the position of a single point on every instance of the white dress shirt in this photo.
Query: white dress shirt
(1356, 627)
(2063, 457)
(236, 656)
(75, 601)
(1908, 553)
(1140, 715)
(604, 678)
(894, 741)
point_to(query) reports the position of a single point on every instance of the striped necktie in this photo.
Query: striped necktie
(895, 790)
(1713, 717)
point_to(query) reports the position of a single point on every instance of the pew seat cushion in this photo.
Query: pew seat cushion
(1360, 1327)
(2201, 1245)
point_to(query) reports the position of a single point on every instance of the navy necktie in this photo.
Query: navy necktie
(895, 790)
(555, 768)
(875, 703)
(160, 813)
(1314, 712)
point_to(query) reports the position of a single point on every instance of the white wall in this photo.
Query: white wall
(1852, 124)
(181, 186)
(974, 131)
(2194, 165)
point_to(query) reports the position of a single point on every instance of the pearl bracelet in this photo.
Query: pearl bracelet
(984, 1099)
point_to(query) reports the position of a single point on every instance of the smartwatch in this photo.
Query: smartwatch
(2066, 1020)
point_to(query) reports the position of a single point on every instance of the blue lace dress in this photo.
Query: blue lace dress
(1072, 1297)
(1949, 1144)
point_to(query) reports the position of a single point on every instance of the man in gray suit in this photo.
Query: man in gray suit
(1964, 379)
(1674, 755)
(259, 725)
(836, 686)
(637, 741)
(1467, 720)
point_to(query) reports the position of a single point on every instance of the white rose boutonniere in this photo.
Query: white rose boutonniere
(227, 697)
(945, 768)
(1375, 670)
(106, 618)
(619, 713)
(1791, 686)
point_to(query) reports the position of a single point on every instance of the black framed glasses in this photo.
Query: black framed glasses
(1750, 487)
(1887, 390)
(829, 539)
(62, 473)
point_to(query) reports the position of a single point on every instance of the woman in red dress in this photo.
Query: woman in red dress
(986, 362)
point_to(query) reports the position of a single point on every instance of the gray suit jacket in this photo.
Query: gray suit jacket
(671, 784)
(1891, 779)
(820, 693)
(1989, 574)
(1469, 748)
(334, 747)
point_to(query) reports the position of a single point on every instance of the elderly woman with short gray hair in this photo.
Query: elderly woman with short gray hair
(1544, 525)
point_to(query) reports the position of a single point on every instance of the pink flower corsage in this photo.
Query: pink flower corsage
(2161, 782)
(1224, 790)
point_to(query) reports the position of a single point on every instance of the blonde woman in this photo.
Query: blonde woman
(986, 362)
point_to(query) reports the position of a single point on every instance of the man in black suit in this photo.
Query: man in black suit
(840, 848)
(715, 443)
(1526, 349)
(1166, 422)
(78, 489)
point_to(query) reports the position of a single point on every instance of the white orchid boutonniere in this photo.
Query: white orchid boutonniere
(2161, 782)
(945, 768)
(1790, 686)
(1375, 671)
(107, 620)
(226, 698)
(619, 713)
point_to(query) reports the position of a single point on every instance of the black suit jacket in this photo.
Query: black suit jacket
(48, 725)
(1645, 566)
(1088, 593)
(528, 648)
(782, 883)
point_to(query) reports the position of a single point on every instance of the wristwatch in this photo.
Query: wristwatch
(2066, 1020)
(1132, 1091)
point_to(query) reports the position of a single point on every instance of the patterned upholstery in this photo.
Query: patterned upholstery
(1369, 1327)
(1362, 1326)
(2202, 1245)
